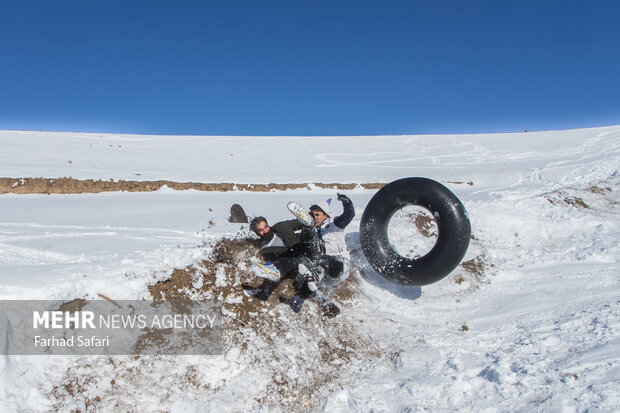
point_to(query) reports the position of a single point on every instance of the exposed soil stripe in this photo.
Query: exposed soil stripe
(79, 186)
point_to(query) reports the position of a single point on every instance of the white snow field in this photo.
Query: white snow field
(530, 322)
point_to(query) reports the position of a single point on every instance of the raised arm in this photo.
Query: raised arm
(341, 221)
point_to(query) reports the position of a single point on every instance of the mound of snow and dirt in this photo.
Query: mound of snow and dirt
(530, 320)
(255, 334)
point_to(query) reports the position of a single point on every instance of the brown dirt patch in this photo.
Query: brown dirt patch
(588, 198)
(78, 186)
(174, 287)
(569, 200)
(73, 306)
(478, 267)
(76, 387)
(425, 224)
(349, 289)
(599, 190)
(470, 183)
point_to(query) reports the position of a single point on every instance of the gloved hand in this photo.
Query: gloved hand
(343, 198)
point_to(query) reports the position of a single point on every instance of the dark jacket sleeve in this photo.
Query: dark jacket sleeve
(341, 221)
(272, 253)
(286, 229)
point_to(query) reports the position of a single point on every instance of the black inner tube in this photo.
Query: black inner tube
(454, 231)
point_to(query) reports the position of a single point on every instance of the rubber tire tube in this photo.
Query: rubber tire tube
(454, 231)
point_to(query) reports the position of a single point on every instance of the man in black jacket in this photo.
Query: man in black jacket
(278, 240)
(281, 247)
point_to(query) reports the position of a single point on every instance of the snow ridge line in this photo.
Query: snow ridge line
(78, 186)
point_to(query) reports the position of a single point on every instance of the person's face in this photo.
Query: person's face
(319, 217)
(262, 229)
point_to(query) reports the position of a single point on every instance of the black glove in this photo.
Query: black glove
(344, 199)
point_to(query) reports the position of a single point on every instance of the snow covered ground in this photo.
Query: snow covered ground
(530, 322)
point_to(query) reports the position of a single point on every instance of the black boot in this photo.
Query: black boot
(296, 302)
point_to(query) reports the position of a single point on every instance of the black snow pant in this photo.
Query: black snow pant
(310, 268)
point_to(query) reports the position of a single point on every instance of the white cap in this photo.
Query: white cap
(324, 205)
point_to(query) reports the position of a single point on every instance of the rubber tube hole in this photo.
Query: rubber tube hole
(412, 231)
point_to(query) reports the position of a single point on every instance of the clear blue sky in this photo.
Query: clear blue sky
(308, 68)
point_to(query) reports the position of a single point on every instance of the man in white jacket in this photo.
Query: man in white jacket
(333, 261)
(331, 232)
